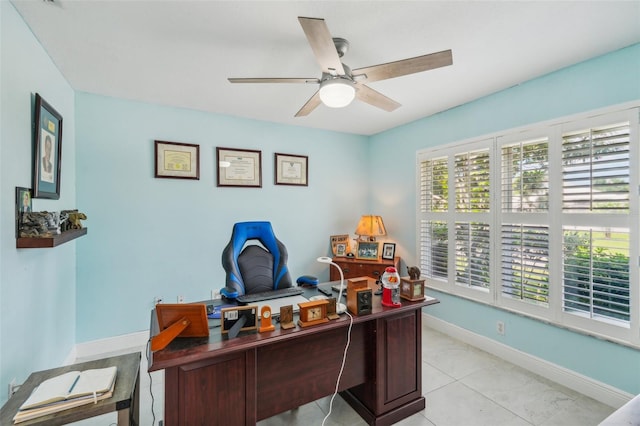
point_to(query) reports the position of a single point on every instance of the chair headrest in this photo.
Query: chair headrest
(261, 231)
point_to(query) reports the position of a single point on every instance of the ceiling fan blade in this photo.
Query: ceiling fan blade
(274, 80)
(322, 45)
(377, 99)
(406, 66)
(311, 104)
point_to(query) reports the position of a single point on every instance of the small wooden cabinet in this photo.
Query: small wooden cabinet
(352, 268)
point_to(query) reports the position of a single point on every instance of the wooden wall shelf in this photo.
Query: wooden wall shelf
(49, 242)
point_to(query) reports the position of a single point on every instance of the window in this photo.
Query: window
(507, 236)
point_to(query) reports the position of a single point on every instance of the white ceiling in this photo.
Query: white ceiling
(181, 53)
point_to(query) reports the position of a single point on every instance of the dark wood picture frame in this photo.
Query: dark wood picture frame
(388, 251)
(291, 169)
(240, 168)
(47, 142)
(21, 207)
(175, 160)
(169, 313)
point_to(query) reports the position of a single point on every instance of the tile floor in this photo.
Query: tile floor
(463, 386)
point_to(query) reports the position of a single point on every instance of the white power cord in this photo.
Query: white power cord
(344, 359)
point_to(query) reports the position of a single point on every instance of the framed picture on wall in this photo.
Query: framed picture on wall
(177, 160)
(291, 169)
(388, 251)
(239, 167)
(47, 151)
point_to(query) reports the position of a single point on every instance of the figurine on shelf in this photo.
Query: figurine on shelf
(414, 272)
(74, 218)
(40, 224)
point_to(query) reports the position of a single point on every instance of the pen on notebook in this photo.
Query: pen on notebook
(74, 383)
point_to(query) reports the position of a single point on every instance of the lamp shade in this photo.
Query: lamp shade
(371, 226)
(337, 92)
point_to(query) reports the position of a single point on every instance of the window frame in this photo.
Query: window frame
(553, 130)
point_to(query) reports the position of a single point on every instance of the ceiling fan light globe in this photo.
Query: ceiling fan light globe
(337, 93)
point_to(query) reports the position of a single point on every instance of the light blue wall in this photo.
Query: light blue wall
(164, 237)
(607, 80)
(37, 286)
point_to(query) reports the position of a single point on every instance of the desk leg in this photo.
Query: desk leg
(130, 416)
(123, 417)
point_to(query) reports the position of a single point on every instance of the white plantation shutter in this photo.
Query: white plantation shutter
(472, 181)
(596, 272)
(595, 172)
(472, 254)
(525, 262)
(434, 189)
(434, 248)
(525, 176)
(434, 205)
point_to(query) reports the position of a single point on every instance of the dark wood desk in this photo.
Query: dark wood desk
(125, 399)
(219, 381)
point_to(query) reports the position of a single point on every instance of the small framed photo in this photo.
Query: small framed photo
(291, 169)
(47, 151)
(177, 160)
(388, 251)
(23, 205)
(340, 244)
(367, 250)
(239, 167)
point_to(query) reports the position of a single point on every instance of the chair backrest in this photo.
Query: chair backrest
(254, 269)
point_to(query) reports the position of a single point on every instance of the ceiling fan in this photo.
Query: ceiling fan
(339, 85)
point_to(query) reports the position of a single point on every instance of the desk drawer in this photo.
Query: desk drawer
(307, 369)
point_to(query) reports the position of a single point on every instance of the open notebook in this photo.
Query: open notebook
(66, 391)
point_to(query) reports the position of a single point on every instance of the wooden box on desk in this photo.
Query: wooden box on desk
(411, 289)
(359, 295)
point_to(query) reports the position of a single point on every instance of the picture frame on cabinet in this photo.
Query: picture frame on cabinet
(367, 250)
(388, 251)
(47, 150)
(343, 241)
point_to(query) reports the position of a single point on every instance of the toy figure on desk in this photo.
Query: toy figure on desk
(414, 272)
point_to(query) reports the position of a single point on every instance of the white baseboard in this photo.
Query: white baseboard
(597, 390)
(98, 347)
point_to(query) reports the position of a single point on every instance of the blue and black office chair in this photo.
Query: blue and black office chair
(255, 268)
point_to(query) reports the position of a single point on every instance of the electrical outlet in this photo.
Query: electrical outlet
(500, 328)
(180, 299)
(215, 294)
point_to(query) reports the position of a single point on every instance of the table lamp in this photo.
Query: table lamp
(370, 226)
(341, 308)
